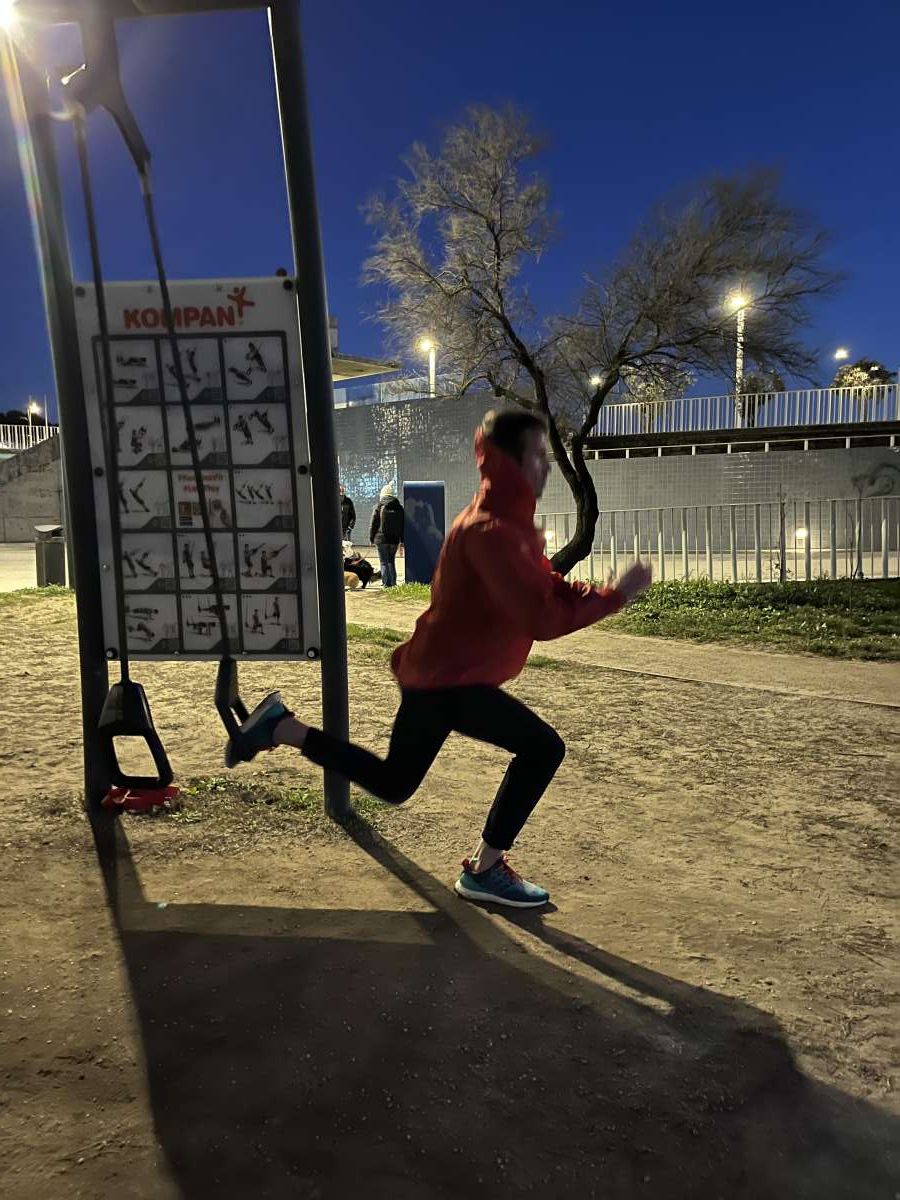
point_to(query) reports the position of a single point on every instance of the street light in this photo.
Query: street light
(596, 381)
(841, 354)
(8, 14)
(428, 346)
(738, 303)
(34, 410)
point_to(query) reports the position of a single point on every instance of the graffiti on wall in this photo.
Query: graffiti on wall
(881, 480)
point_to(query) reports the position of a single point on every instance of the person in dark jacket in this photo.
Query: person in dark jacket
(494, 593)
(386, 532)
(348, 514)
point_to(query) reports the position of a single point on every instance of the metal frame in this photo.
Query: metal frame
(36, 131)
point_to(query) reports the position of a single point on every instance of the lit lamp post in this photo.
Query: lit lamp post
(841, 354)
(34, 410)
(429, 346)
(8, 15)
(738, 303)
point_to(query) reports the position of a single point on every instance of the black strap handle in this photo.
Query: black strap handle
(229, 704)
(126, 713)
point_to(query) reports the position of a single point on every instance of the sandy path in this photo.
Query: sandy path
(787, 674)
(708, 1010)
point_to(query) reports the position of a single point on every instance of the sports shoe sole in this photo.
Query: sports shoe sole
(462, 890)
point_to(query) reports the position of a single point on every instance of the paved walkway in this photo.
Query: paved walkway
(17, 569)
(730, 666)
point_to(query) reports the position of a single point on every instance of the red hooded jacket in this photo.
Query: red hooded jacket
(494, 593)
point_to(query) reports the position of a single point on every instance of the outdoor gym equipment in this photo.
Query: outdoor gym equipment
(123, 709)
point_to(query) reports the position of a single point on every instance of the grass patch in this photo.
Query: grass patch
(377, 635)
(542, 663)
(28, 596)
(837, 618)
(418, 592)
(209, 798)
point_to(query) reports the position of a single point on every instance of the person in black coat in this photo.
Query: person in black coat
(348, 514)
(386, 532)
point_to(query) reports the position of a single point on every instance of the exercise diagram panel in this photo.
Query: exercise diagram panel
(239, 347)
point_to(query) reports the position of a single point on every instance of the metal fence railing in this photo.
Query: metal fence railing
(769, 541)
(763, 410)
(20, 437)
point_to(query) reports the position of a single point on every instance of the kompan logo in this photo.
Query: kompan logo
(207, 316)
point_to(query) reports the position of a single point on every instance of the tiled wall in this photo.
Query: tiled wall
(433, 440)
(419, 440)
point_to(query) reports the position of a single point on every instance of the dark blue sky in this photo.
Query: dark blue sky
(637, 100)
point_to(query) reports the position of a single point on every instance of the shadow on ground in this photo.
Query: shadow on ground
(340, 1053)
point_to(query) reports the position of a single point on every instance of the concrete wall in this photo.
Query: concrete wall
(30, 491)
(735, 478)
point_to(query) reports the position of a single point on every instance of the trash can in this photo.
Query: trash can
(50, 555)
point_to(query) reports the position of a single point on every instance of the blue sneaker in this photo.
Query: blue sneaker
(257, 731)
(501, 885)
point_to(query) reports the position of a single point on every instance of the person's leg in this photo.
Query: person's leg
(420, 730)
(392, 564)
(491, 715)
(385, 559)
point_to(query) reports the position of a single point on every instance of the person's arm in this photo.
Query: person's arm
(376, 521)
(402, 524)
(538, 600)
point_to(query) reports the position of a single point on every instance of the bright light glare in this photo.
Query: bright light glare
(737, 301)
(841, 353)
(596, 380)
(801, 535)
(8, 14)
(425, 344)
(34, 408)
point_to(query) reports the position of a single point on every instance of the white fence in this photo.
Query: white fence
(20, 437)
(771, 541)
(765, 410)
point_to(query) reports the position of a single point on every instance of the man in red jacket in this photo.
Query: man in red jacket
(494, 593)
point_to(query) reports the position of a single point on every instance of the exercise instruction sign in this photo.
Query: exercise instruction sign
(239, 344)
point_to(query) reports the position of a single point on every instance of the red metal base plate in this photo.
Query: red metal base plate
(141, 800)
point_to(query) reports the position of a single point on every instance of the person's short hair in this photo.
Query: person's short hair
(507, 427)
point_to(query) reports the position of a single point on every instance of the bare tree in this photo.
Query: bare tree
(464, 228)
(755, 385)
(862, 377)
(864, 373)
(653, 392)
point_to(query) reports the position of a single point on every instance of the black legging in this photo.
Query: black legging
(424, 721)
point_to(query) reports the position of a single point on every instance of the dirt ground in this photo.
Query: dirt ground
(249, 1002)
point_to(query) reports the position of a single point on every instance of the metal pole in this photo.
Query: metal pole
(739, 369)
(885, 541)
(312, 310)
(782, 543)
(807, 546)
(432, 372)
(832, 515)
(660, 546)
(29, 102)
(757, 543)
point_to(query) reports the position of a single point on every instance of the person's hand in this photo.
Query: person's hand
(635, 581)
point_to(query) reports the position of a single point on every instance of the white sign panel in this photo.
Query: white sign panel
(239, 345)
